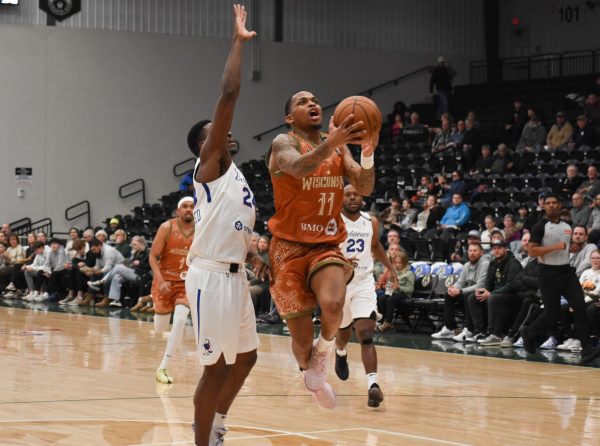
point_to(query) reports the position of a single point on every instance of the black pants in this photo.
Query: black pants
(503, 309)
(553, 282)
(18, 277)
(528, 312)
(389, 304)
(593, 316)
(478, 312)
(566, 321)
(450, 306)
(76, 281)
(40, 281)
(5, 275)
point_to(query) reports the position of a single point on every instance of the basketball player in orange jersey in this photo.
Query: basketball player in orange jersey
(308, 169)
(168, 262)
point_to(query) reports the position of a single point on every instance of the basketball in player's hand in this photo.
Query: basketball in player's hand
(363, 109)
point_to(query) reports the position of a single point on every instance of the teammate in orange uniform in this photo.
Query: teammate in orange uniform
(167, 260)
(307, 170)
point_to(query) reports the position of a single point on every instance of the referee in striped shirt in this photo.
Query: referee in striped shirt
(550, 242)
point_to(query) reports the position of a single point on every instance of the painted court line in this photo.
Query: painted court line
(418, 437)
(570, 371)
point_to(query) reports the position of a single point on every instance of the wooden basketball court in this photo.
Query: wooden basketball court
(71, 379)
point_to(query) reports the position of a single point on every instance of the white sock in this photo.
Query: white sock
(179, 321)
(323, 344)
(219, 420)
(341, 352)
(161, 322)
(371, 379)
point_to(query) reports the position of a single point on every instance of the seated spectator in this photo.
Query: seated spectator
(393, 237)
(76, 279)
(536, 214)
(593, 222)
(484, 164)
(399, 110)
(389, 216)
(442, 136)
(121, 243)
(15, 258)
(394, 299)
(457, 134)
(3, 239)
(486, 235)
(591, 110)
(5, 270)
(102, 236)
(580, 213)
(472, 277)
(133, 270)
(397, 127)
(565, 216)
(259, 286)
(187, 183)
(457, 215)
(73, 235)
(590, 283)
(515, 122)
(112, 228)
(471, 144)
(424, 189)
(580, 250)
(583, 134)
(5, 229)
(523, 214)
(503, 161)
(42, 237)
(415, 132)
(560, 133)
(54, 268)
(429, 217)
(456, 186)
(533, 137)
(591, 187)
(88, 236)
(407, 216)
(107, 258)
(254, 242)
(460, 254)
(572, 182)
(34, 274)
(499, 295)
(511, 233)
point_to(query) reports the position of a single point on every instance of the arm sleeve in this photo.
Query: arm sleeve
(537, 232)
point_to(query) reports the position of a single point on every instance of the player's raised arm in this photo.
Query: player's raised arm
(361, 176)
(214, 152)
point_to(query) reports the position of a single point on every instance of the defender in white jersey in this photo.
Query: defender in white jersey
(360, 308)
(216, 285)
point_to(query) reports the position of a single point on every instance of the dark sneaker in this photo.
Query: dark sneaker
(341, 367)
(528, 343)
(375, 396)
(589, 354)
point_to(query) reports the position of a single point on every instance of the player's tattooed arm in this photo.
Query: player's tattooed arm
(286, 157)
(362, 179)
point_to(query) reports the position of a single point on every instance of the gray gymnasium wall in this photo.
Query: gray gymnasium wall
(548, 26)
(89, 110)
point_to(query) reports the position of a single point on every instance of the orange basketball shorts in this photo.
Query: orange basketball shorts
(165, 304)
(293, 265)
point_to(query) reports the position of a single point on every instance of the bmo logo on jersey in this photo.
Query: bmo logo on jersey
(330, 229)
(239, 226)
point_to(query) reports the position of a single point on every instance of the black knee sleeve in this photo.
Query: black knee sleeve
(367, 341)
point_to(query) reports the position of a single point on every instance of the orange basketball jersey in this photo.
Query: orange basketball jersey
(308, 210)
(172, 258)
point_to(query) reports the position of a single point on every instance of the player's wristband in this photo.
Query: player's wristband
(367, 162)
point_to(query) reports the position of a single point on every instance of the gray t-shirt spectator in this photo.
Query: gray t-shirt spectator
(581, 261)
(473, 276)
(108, 259)
(56, 260)
(580, 216)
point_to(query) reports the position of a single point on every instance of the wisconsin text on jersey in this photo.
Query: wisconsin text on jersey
(326, 182)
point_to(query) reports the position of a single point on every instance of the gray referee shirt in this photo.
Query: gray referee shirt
(546, 233)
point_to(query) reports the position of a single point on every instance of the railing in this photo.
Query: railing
(367, 92)
(21, 227)
(141, 190)
(45, 224)
(542, 66)
(86, 212)
(178, 169)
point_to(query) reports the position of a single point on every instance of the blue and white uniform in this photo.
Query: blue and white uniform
(216, 285)
(361, 298)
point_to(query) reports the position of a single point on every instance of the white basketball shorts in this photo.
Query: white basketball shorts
(222, 311)
(361, 300)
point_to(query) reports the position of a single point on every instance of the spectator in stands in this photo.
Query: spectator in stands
(396, 128)
(536, 214)
(102, 236)
(399, 109)
(112, 227)
(259, 286)
(42, 237)
(511, 233)
(441, 79)
(88, 236)
(533, 137)
(388, 303)
(471, 144)
(461, 253)
(560, 133)
(591, 110)
(486, 235)
(457, 134)
(503, 161)
(442, 136)
(393, 237)
(76, 279)
(34, 276)
(133, 270)
(429, 218)
(3, 239)
(515, 122)
(580, 212)
(572, 182)
(390, 215)
(254, 242)
(456, 216)
(5, 229)
(15, 257)
(187, 183)
(73, 235)
(591, 187)
(456, 186)
(580, 250)
(583, 134)
(521, 217)
(590, 282)
(121, 243)
(393, 250)
(521, 251)
(472, 276)
(484, 164)
(565, 216)
(593, 222)
(415, 132)
(423, 191)
(500, 293)
(54, 268)
(107, 258)
(5, 269)
(407, 216)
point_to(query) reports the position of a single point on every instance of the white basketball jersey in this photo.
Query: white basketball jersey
(224, 216)
(358, 244)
